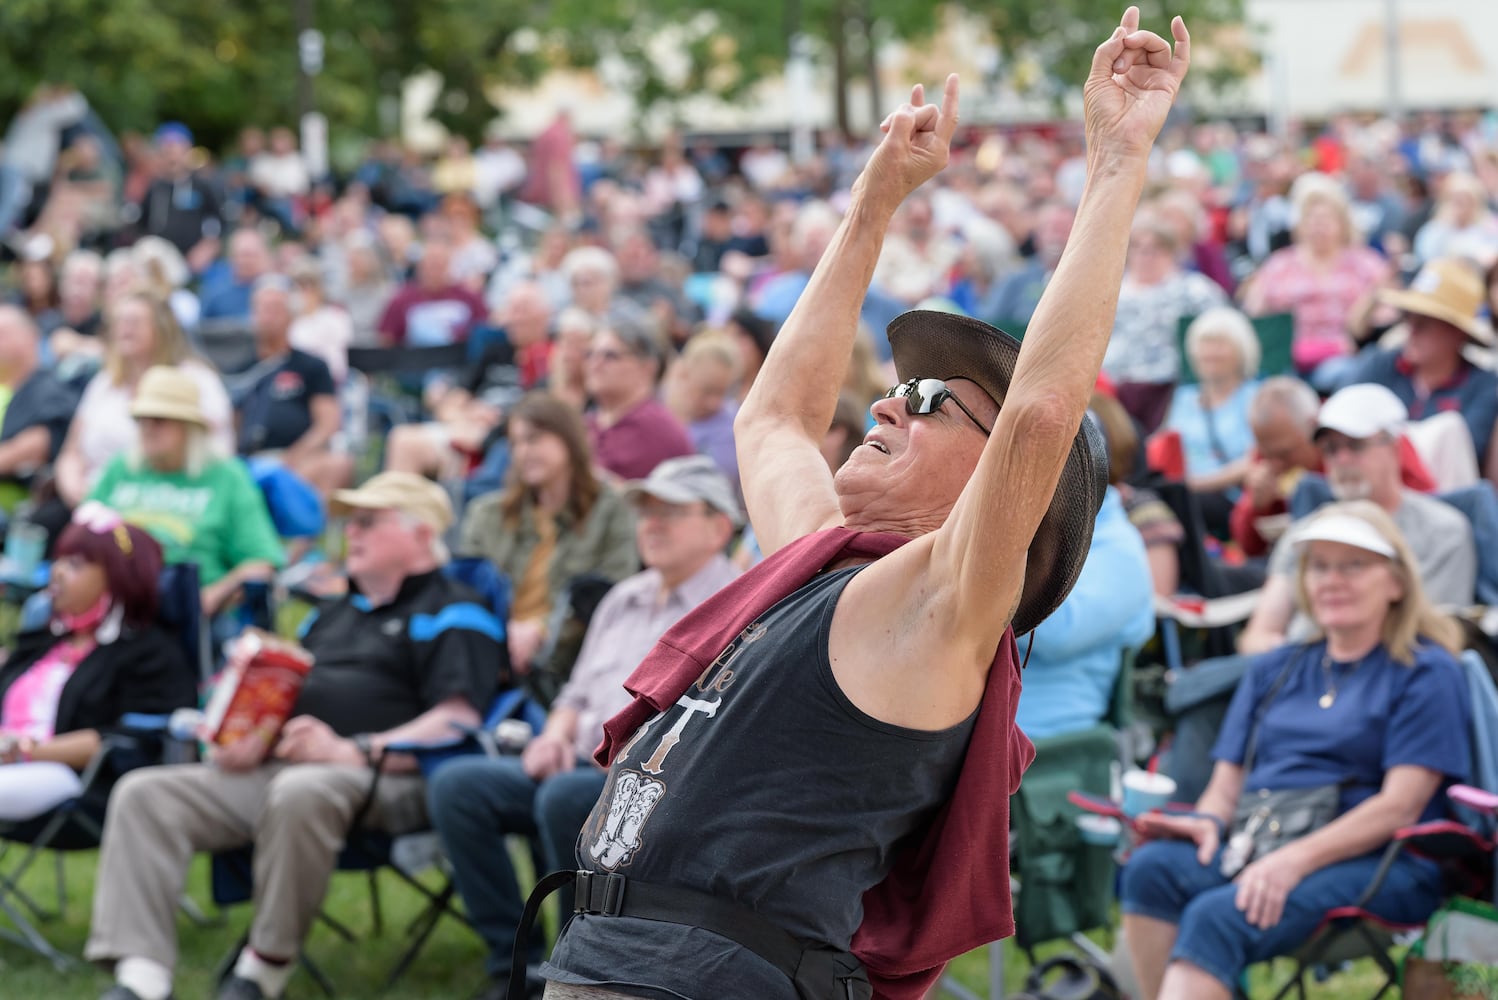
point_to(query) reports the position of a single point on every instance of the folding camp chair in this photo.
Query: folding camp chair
(78, 824)
(1349, 933)
(370, 851)
(1463, 846)
(1275, 332)
(406, 856)
(1062, 886)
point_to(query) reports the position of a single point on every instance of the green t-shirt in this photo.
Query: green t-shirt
(217, 519)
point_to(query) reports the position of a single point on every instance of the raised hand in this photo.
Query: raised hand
(1134, 80)
(917, 141)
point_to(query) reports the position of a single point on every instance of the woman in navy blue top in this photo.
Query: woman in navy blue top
(1377, 705)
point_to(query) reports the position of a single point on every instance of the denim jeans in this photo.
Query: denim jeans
(473, 803)
(1164, 881)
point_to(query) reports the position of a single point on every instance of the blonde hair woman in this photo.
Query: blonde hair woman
(1334, 744)
(1324, 277)
(699, 392)
(142, 333)
(1463, 224)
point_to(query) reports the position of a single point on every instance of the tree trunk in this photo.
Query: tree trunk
(871, 60)
(840, 69)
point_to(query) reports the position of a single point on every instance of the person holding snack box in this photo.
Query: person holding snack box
(100, 656)
(403, 656)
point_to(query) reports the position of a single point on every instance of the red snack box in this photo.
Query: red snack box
(257, 690)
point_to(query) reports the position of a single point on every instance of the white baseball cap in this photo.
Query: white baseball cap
(1361, 411)
(1346, 529)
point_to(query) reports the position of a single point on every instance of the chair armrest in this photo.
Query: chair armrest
(1442, 840)
(143, 723)
(1200, 612)
(419, 747)
(1482, 801)
(1096, 804)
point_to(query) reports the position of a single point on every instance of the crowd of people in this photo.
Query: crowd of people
(1300, 321)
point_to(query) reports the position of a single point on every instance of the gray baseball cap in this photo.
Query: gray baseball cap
(684, 480)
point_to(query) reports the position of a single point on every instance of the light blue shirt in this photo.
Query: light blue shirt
(1069, 681)
(1212, 441)
(780, 295)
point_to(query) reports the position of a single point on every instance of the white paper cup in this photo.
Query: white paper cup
(1143, 791)
(1100, 831)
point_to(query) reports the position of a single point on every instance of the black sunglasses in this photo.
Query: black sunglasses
(924, 396)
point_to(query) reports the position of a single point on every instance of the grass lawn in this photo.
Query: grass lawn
(449, 968)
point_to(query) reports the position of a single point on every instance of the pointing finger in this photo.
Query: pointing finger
(1182, 38)
(948, 123)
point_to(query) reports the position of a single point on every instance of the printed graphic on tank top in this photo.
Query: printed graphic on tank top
(765, 785)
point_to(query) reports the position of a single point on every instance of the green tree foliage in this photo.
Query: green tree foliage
(1061, 35)
(223, 65)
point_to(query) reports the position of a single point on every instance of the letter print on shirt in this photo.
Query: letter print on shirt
(633, 795)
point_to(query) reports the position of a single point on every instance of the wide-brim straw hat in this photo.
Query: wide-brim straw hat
(1450, 290)
(167, 393)
(946, 346)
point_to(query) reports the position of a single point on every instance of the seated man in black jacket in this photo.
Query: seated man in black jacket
(407, 653)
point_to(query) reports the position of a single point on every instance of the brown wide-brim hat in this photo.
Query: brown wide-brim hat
(947, 346)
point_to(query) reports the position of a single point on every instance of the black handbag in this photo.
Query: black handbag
(1267, 819)
(1271, 819)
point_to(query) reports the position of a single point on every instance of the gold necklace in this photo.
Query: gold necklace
(1329, 697)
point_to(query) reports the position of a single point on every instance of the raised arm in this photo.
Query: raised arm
(981, 549)
(787, 485)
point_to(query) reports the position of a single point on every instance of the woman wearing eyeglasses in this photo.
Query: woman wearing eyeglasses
(1329, 747)
(553, 521)
(629, 428)
(100, 656)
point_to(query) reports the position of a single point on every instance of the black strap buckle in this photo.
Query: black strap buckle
(599, 894)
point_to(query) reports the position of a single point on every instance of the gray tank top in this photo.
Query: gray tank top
(763, 785)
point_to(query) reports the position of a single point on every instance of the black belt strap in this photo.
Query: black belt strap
(601, 894)
(545, 887)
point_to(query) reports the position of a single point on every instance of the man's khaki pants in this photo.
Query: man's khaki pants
(295, 815)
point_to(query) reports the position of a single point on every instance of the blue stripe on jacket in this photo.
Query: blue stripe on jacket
(425, 628)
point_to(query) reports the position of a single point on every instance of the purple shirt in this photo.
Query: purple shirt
(713, 437)
(629, 620)
(639, 441)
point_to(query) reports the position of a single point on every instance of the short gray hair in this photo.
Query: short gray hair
(640, 336)
(1288, 395)
(440, 553)
(83, 259)
(585, 260)
(271, 283)
(1226, 323)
